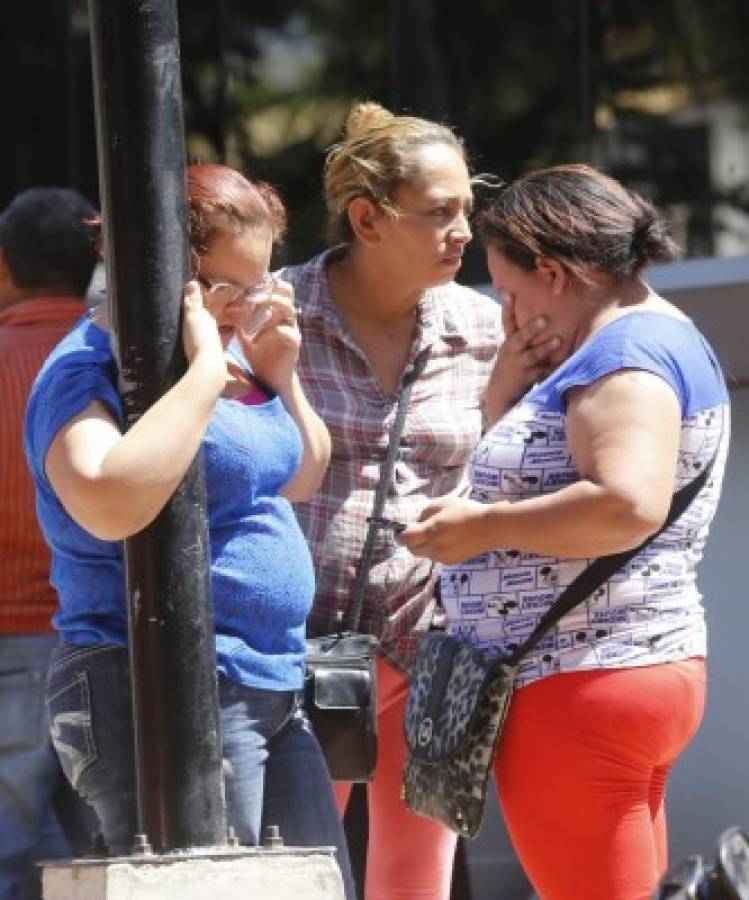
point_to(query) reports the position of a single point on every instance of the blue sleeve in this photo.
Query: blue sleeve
(64, 388)
(668, 347)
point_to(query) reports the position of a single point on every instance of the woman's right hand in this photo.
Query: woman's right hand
(200, 336)
(524, 358)
(273, 351)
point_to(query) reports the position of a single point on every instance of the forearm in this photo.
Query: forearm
(580, 521)
(523, 359)
(499, 397)
(315, 440)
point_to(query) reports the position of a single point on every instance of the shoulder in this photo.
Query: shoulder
(306, 278)
(31, 343)
(311, 290)
(79, 370)
(655, 340)
(660, 343)
(466, 311)
(85, 347)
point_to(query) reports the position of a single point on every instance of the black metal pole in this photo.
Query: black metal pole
(140, 138)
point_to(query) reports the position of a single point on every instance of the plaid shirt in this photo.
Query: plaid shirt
(460, 331)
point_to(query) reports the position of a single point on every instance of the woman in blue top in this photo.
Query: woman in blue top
(585, 465)
(262, 447)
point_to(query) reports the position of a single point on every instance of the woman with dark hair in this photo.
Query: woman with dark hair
(262, 447)
(585, 465)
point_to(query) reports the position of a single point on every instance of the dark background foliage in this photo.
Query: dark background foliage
(267, 85)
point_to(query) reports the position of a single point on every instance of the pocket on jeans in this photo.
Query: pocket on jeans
(71, 726)
(22, 710)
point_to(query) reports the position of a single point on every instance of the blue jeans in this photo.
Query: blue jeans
(40, 817)
(275, 772)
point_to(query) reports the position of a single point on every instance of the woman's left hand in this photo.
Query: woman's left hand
(273, 350)
(450, 530)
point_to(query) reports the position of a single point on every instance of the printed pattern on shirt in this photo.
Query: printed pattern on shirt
(648, 612)
(459, 330)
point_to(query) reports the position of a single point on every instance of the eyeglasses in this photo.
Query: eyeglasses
(225, 293)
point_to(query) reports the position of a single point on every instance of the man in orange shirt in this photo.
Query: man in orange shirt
(47, 256)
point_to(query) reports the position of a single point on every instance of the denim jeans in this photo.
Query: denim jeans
(275, 772)
(40, 817)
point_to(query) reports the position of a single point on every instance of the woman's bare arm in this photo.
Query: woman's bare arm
(315, 441)
(623, 433)
(115, 484)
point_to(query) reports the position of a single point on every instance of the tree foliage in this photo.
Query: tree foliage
(615, 82)
(622, 83)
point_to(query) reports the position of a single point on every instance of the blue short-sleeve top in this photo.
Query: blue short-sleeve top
(261, 575)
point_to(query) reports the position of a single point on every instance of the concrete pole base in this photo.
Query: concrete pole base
(284, 874)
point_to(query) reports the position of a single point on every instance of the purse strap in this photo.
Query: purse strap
(410, 375)
(604, 567)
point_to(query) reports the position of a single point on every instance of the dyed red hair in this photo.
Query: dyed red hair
(221, 199)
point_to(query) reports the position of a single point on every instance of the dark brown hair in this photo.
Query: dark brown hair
(48, 238)
(586, 220)
(221, 199)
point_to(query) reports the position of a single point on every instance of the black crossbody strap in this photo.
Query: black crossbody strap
(386, 473)
(605, 566)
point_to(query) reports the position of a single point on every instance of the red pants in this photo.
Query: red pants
(582, 771)
(408, 857)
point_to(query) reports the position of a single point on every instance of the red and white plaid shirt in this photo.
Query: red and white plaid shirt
(460, 331)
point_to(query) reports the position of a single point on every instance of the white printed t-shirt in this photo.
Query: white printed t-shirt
(650, 611)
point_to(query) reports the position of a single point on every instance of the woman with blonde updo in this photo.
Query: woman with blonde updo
(399, 196)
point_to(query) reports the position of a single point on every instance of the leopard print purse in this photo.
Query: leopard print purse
(459, 698)
(457, 704)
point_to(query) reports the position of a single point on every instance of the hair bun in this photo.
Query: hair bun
(641, 234)
(365, 117)
(651, 241)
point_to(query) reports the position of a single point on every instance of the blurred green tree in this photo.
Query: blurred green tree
(634, 86)
(617, 83)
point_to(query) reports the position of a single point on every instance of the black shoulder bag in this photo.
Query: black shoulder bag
(340, 690)
(460, 696)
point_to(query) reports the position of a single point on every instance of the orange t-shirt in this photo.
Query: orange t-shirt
(28, 332)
